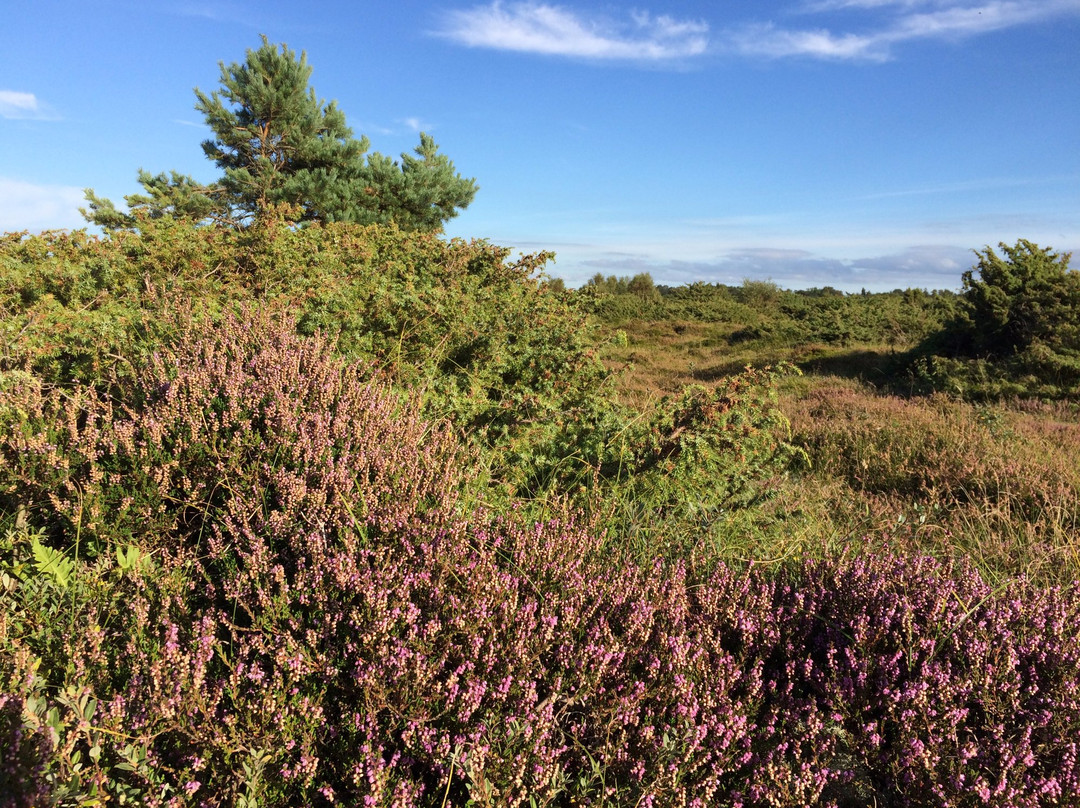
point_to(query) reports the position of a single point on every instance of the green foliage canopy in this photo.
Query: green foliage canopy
(1026, 296)
(1015, 330)
(283, 149)
(484, 342)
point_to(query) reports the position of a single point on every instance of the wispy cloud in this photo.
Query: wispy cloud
(558, 31)
(895, 22)
(766, 39)
(968, 20)
(416, 125)
(858, 30)
(23, 106)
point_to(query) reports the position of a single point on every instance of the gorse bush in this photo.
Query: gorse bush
(507, 361)
(1015, 332)
(1027, 296)
(701, 454)
(762, 313)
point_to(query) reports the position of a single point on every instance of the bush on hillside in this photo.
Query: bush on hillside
(491, 348)
(762, 313)
(1026, 297)
(241, 568)
(1016, 332)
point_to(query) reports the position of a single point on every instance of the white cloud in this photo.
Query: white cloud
(924, 266)
(944, 262)
(913, 20)
(537, 27)
(967, 19)
(416, 124)
(557, 31)
(28, 206)
(770, 41)
(16, 105)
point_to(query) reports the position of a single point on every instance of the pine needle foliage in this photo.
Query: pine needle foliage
(285, 152)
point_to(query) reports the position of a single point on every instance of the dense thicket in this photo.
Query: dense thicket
(1016, 331)
(488, 346)
(1010, 303)
(763, 313)
(1012, 330)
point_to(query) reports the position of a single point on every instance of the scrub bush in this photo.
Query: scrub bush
(242, 565)
(1029, 295)
(483, 340)
(496, 663)
(1016, 330)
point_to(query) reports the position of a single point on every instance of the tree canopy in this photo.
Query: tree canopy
(280, 146)
(1013, 301)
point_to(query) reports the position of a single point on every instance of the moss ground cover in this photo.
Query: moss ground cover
(341, 515)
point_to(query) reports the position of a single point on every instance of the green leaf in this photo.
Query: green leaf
(132, 558)
(52, 563)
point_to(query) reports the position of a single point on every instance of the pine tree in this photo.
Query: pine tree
(419, 194)
(280, 144)
(282, 148)
(174, 195)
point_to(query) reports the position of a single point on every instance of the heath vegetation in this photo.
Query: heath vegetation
(302, 503)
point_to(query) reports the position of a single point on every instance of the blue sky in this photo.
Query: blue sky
(852, 143)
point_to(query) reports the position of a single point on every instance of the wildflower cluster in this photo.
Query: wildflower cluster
(272, 596)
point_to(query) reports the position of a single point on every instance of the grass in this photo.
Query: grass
(996, 484)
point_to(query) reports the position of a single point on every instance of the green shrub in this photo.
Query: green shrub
(1015, 331)
(492, 348)
(1025, 297)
